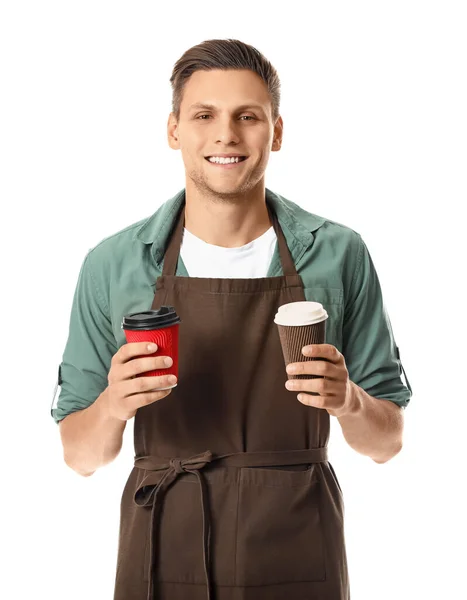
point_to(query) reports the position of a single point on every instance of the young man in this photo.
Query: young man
(231, 495)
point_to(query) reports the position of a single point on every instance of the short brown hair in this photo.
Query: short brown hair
(223, 54)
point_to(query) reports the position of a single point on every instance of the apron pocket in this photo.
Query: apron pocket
(279, 530)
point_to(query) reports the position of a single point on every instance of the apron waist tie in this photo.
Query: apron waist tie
(149, 493)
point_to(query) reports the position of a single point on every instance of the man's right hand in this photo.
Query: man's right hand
(126, 392)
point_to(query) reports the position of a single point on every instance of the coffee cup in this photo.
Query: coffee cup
(161, 327)
(300, 324)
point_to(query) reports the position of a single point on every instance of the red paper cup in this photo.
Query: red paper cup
(160, 327)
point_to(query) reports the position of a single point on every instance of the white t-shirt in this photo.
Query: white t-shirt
(206, 260)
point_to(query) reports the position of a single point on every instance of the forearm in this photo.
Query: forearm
(373, 427)
(91, 438)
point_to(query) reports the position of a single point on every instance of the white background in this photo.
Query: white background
(374, 107)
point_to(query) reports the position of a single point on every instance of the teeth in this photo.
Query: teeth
(224, 161)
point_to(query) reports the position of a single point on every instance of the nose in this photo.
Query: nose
(226, 131)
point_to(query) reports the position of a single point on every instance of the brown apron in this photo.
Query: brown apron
(231, 496)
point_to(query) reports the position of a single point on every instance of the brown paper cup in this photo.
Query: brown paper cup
(294, 337)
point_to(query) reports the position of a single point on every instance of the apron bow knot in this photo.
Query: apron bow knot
(194, 463)
(176, 465)
(150, 492)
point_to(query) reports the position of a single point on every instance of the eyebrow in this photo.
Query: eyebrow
(212, 107)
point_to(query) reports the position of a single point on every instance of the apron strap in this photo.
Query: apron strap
(173, 249)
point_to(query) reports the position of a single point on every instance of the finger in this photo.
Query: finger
(141, 385)
(324, 351)
(138, 400)
(329, 403)
(321, 386)
(132, 349)
(142, 365)
(315, 367)
(149, 390)
(316, 401)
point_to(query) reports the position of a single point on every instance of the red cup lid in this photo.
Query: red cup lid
(165, 316)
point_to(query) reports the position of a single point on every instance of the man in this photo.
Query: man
(231, 495)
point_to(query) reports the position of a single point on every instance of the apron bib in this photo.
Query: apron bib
(231, 496)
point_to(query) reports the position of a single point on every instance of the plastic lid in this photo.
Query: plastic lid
(300, 313)
(165, 316)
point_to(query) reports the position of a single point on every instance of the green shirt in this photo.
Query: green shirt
(118, 277)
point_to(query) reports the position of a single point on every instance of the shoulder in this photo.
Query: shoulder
(327, 253)
(115, 254)
(343, 241)
(117, 242)
(334, 230)
(336, 237)
(129, 242)
(302, 218)
(110, 260)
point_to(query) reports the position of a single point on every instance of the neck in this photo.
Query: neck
(225, 220)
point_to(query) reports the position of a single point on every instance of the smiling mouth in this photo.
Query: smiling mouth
(240, 159)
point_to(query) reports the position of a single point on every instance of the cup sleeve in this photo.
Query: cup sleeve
(82, 374)
(369, 348)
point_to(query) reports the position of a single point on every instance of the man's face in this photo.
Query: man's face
(237, 121)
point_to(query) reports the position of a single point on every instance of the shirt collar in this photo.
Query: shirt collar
(294, 221)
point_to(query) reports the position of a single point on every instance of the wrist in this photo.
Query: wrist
(108, 415)
(103, 402)
(355, 403)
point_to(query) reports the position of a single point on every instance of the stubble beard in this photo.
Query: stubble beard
(238, 193)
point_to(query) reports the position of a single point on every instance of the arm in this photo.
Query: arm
(91, 437)
(373, 427)
(101, 386)
(362, 385)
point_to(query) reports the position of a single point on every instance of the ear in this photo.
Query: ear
(277, 139)
(172, 132)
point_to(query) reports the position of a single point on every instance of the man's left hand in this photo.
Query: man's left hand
(336, 394)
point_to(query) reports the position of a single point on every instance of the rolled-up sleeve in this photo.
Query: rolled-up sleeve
(370, 351)
(89, 349)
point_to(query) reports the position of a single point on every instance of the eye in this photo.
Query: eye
(242, 117)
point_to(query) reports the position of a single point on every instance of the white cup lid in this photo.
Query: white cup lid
(300, 313)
